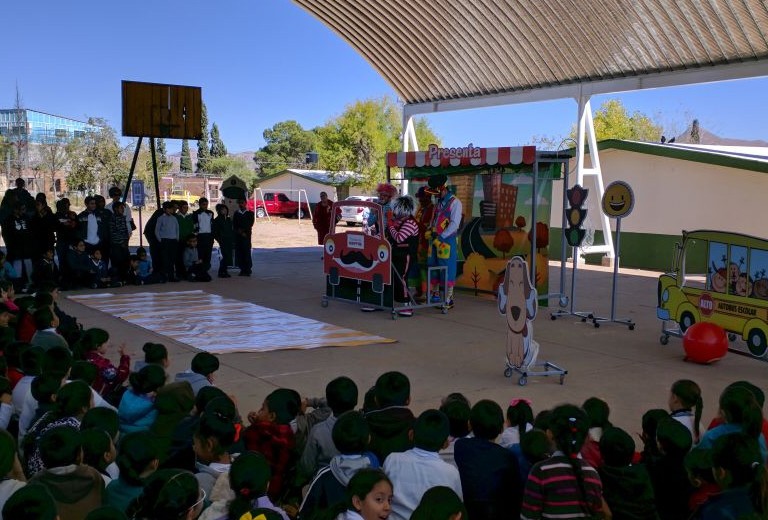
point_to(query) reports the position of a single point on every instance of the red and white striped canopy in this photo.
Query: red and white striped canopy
(467, 156)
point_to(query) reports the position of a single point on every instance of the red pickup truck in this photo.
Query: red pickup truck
(277, 203)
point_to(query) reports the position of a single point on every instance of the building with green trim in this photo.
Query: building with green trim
(338, 185)
(676, 187)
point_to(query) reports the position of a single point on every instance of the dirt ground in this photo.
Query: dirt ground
(273, 233)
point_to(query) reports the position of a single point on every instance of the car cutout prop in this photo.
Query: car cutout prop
(357, 255)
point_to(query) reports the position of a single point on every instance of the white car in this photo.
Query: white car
(354, 215)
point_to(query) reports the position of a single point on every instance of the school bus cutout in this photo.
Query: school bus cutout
(721, 278)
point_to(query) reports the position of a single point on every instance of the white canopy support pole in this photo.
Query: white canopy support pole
(587, 129)
(409, 137)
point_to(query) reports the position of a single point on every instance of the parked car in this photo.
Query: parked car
(277, 203)
(355, 215)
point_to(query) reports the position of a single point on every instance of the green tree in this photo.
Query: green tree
(612, 121)
(185, 165)
(161, 155)
(286, 144)
(6, 156)
(227, 165)
(361, 136)
(217, 145)
(203, 152)
(96, 159)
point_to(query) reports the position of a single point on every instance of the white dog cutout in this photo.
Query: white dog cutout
(518, 301)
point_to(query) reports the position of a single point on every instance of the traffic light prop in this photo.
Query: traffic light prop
(575, 215)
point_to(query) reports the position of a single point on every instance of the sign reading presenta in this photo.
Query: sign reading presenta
(436, 153)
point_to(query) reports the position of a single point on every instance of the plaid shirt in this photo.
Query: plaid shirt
(277, 443)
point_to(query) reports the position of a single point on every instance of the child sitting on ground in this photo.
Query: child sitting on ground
(671, 486)
(626, 487)
(698, 464)
(457, 411)
(248, 481)
(137, 410)
(98, 451)
(196, 269)
(202, 371)
(138, 459)
(391, 423)
(597, 412)
(519, 420)
(685, 406)
(92, 347)
(350, 436)
(212, 440)
(270, 433)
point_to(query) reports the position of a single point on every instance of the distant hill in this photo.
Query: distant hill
(175, 158)
(707, 137)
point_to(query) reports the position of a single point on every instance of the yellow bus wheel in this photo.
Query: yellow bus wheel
(686, 320)
(756, 343)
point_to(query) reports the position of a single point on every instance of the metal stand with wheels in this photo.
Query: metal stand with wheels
(543, 368)
(612, 319)
(584, 315)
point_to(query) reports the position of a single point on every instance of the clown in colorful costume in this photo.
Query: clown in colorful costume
(445, 227)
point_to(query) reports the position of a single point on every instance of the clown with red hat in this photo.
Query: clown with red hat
(386, 192)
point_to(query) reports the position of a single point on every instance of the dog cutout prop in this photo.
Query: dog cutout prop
(518, 302)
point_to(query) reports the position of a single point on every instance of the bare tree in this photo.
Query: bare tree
(53, 158)
(19, 134)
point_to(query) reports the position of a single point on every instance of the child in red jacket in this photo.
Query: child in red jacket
(270, 434)
(93, 345)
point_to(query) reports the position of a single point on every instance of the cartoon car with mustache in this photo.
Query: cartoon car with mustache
(356, 255)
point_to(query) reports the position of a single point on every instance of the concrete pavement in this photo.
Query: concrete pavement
(462, 351)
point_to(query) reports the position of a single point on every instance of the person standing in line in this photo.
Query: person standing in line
(115, 194)
(225, 236)
(202, 220)
(167, 234)
(242, 222)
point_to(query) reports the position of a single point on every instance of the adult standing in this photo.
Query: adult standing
(242, 222)
(202, 221)
(321, 219)
(185, 229)
(442, 235)
(19, 242)
(19, 194)
(43, 225)
(167, 234)
(386, 193)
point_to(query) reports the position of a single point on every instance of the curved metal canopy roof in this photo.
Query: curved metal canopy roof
(450, 54)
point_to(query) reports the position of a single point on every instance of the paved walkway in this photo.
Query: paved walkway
(461, 351)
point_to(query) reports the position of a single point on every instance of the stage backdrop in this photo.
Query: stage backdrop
(495, 187)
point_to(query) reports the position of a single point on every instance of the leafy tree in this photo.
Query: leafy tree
(217, 145)
(203, 152)
(96, 159)
(361, 136)
(286, 144)
(227, 165)
(6, 156)
(185, 166)
(612, 121)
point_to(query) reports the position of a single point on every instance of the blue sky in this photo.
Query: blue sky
(264, 61)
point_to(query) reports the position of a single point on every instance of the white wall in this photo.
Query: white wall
(673, 194)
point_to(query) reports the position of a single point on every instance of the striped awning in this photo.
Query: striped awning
(467, 156)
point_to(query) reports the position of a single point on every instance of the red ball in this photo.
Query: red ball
(705, 343)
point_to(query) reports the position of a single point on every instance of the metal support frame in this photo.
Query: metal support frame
(586, 129)
(133, 169)
(612, 319)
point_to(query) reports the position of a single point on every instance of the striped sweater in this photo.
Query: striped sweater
(553, 492)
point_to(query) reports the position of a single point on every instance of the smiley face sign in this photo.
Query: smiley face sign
(618, 200)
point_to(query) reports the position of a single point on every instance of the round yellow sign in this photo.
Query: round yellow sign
(618, 200)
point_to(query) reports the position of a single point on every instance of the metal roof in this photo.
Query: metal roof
(440, 54)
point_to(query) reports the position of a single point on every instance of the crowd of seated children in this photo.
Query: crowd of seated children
(182, 450)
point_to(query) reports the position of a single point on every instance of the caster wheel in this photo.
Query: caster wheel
(590, 316)
(597, 325)
(562, 380)
(443, 310)
(522, 381)
(507, 372)
(583, 320)
(394, 315)
(563, 302)
(323, 303)
(553, 317)
(631, 327)
(664, 339)
(731, 336)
